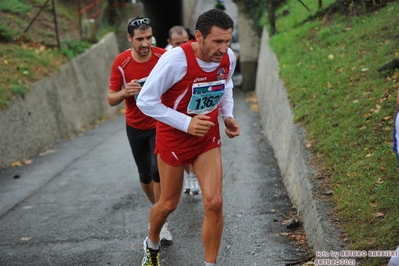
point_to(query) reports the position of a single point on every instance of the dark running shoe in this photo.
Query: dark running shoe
(151, 256)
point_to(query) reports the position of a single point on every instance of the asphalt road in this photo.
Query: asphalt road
(80, 203)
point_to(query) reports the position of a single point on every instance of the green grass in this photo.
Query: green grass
(15, 6)
(329, 67)
(30, 53)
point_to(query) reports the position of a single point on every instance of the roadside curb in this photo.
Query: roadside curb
(289, 144)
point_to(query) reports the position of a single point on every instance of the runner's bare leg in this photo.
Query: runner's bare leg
(208, 167)
(171, 187)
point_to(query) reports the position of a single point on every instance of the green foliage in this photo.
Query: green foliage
(19, 89)
(103, 31)
(6, 35)
(74, 48)
(329, 68)
(15, 6)
(220, 6)
(255, 10)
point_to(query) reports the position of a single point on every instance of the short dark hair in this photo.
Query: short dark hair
(178, 29)
(141, 23)
(213, 17)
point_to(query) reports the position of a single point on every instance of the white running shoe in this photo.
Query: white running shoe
(187, 183)
(195, 186)
(165, 234)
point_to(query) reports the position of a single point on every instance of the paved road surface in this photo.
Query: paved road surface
(83, 205)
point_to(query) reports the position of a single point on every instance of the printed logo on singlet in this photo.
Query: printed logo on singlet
(221, 74)
(199, 79)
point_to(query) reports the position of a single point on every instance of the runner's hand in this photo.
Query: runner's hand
(132, 88)
(199, 125)
(232, 128)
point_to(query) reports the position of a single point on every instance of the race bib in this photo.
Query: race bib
(141, 83)
(206, 96)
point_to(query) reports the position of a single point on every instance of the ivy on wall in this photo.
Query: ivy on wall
(255, 10)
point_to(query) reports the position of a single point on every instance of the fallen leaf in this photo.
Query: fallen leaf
(46, 152)
(379, 214)
(27, 207)
(254, 107)
(374, 204)
(27, 161)
(351, 174)
(26, 238)
(16, 164)
(329, 85)
(252, 99)
(367, 115)
(387, 117)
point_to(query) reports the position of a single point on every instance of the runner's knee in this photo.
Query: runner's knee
(170, 206)
(213, 204)
(156, 176)
(145, 178)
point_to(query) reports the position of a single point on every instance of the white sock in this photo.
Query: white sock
(209, 264)
(152, 245)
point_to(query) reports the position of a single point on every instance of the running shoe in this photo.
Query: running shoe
(187, 183)
(165, 234)
(151, 256)
(195, 186)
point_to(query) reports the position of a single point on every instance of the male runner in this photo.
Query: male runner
(184, 92)
(128, 73)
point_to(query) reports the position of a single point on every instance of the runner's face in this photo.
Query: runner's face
(141, 41)
(215, 45)
(178, 39)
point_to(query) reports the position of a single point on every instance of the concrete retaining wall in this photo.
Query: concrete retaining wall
(58, 106)
(288, 142)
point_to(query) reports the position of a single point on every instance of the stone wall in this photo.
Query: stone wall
(60, 105)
